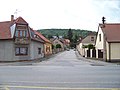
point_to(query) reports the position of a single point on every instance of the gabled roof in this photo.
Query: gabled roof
(5, 32)
(42, 37)
(87, 39)
(20, 20)
(111, 31)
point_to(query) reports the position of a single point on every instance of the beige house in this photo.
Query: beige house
(90, 39)
(47, 44)
(108, 42)
(55, 42)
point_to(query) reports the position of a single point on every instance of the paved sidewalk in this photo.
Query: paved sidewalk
(97, 62)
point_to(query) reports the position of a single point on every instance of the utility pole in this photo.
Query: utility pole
(104, 43)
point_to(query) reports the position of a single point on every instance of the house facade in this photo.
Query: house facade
(108, 42)
(56, 42)
(47, 44)
(90, 39)
(18, 41)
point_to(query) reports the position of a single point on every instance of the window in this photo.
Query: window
(39, 50)
(21, 33)
(92, 38)
(21, 51)
(47, 48)
(99, 37)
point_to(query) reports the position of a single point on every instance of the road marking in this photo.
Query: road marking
(6, 88)
(57, 88)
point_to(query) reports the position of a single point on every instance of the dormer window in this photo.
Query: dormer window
(21, 33)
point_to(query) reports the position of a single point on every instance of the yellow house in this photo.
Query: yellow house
(47, 44)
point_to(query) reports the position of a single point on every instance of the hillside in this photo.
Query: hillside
(63, 32)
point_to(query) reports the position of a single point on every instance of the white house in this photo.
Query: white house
(108, 42)
(90, 39)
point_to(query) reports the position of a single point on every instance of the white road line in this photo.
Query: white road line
(59, 88)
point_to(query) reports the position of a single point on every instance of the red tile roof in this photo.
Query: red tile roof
(42, 37)
(20, 20)
(5, 30)
(112, 32)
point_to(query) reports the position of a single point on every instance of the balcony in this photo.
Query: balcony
(22, 40)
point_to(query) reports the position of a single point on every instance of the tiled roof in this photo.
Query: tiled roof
(33, 36)
(20, 20)
(5, 30)
(42, 37)
(112, 31)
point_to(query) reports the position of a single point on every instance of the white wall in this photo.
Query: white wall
(6, 50)
(107, 50)
(34, 49)
(115, 51)
(99, 44)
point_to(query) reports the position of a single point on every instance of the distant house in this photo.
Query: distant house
(55, 42)
(19, 42)
(108, 42)
(82, 46)
(47, 44)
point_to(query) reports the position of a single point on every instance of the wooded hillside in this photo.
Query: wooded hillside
(63, 32)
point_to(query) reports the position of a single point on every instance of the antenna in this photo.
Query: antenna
(16, 13)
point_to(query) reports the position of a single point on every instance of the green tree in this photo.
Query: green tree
(90, 46)
(85, 46)
(58, 46)
(70, 35)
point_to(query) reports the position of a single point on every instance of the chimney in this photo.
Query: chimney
(103, 21)
(12, 18)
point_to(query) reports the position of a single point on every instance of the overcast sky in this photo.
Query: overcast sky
(75, 14)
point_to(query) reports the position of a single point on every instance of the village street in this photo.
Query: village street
(64, 71)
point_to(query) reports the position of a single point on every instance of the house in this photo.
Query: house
(47, 44)
(56, 42)
(19, 42)
(108, 42)
(82, 46)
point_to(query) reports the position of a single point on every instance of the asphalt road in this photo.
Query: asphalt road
(64, 71)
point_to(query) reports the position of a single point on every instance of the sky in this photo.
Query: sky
(64, 14)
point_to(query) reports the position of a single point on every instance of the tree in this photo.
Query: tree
(70, 35)
(58, 46)
(90, 46)
(84, 46)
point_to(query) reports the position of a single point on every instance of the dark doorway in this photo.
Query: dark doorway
(100, 54)
(88, 53)
(93, 53)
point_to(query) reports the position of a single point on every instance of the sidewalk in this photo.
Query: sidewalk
(95, 61)
(26, 62)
